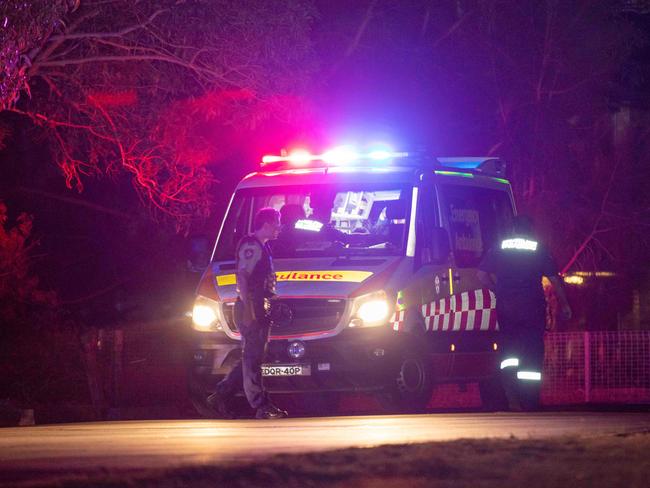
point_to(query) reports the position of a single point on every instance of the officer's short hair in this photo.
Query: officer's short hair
(523, 224)
(266, 215)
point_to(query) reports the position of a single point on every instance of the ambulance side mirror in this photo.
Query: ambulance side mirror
(439, 243)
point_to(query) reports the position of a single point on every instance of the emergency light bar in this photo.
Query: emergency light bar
(348, 156)
(488, 165)
(338, 156)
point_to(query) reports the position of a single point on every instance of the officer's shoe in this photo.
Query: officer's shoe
(270, 411)
(218, 403)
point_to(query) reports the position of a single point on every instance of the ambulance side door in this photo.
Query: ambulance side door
(476, 218)
(432, 254)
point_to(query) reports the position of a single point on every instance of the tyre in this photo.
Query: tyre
(410, 388)
(198, 394)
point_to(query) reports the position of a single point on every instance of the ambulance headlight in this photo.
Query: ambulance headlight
(205, 315)
(371, 310)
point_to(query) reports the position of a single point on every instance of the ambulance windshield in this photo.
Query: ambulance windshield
(323, 220)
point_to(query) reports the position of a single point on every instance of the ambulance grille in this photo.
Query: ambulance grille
(296, 316)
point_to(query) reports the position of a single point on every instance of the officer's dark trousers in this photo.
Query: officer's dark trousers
(247, 373)
(522, 330)
(522, 337)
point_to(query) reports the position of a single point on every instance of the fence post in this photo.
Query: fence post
(116, 373)
(587, 348)
(90, 342)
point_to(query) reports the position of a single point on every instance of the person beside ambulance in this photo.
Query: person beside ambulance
(514, 270)
(255, 288)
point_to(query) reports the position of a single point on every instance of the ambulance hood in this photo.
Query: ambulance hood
(341, 277)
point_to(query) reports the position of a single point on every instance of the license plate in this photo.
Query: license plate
(286, 370)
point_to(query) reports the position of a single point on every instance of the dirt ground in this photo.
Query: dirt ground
(604, 461)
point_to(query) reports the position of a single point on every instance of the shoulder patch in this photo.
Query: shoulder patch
(248, 255)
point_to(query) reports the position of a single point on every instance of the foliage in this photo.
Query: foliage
(553, 87)
(18, 284)
(106, 80)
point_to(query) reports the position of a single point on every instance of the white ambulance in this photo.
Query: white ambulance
(376, 276)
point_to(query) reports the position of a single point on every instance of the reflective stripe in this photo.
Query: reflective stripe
(311, 225)
(519, 243)
(348, 276)
(529, 375)
(410, 241)
(509, 363)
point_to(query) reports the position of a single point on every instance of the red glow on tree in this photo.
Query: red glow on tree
(118, 99)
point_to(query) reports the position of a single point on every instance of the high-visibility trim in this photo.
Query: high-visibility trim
(529, 375)
(451, 281)
(466, 311)
(310, 275)
(454, 173)
(311, 225)
(520, 244)
(510, 363)
(410, 243)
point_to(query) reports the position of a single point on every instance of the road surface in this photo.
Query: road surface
(37, 452)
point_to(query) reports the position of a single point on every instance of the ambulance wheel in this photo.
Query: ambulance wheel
(198, 394)
(493, 396)
(412, 385)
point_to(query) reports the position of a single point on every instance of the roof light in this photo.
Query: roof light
(299, 157)
(340, 155)
(462, 163)
(268, 159)
(380, 155)
(487, 164)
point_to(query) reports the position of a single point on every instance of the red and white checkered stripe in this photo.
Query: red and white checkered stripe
(397, 320)
(473, 310)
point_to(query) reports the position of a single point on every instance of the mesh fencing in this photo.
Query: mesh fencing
(596, 367)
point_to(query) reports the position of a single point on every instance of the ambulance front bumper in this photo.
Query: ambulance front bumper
(355, 360)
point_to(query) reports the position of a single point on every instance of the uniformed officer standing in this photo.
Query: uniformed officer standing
(514, 270)
(255, 289)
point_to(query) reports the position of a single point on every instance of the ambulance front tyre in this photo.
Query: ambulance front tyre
(411, 385)
(198, 394)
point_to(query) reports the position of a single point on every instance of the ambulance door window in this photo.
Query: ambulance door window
(427, 219)
(235, 227)
(477, 218)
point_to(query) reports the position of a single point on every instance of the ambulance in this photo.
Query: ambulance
(376, 270)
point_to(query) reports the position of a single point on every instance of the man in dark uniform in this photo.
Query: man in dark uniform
(255, 289)
(514, 270)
